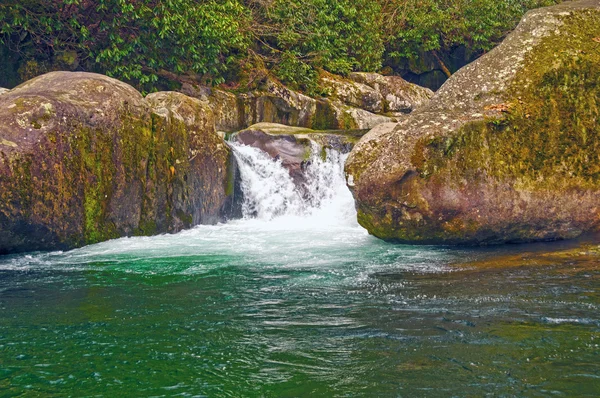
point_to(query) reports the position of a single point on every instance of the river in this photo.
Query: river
(296, 299)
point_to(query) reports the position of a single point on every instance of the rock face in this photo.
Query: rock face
(362, 101)
(376, 93)
(85, 158)
(506, 151)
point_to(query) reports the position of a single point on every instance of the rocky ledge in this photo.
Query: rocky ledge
(360, 101)
(293, 146)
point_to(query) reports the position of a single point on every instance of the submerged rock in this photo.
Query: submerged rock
(506, 151)
(85, 158)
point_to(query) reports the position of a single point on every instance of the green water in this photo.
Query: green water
(261, 309)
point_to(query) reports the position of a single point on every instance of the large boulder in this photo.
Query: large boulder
(85, 158)
(506, 151)
(193, 189)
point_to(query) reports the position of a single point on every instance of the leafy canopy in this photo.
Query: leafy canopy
(150, 42)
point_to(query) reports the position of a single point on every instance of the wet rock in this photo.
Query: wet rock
(280, 143)
(506, 151)
(294, 145)
(85, 158)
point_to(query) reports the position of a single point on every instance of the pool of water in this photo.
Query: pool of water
(290, 308)
(298, 300)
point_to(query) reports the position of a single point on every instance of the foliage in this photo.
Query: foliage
(136, 41)
(213, 41)
(299, 36)
(419, 26)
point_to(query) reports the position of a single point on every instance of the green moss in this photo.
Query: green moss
(348, 122)
(147, 228)
(230, 183)
(551, 137)
(187, 219)
(95, 151)
(324, 117)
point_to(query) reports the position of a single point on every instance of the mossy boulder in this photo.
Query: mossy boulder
(85, 158)
(506, 151)
(190, 186)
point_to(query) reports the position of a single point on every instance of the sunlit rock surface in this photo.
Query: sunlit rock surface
(361, 101)
(506, 151)
(85, 158)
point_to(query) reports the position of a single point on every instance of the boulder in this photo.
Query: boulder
(507, 149)
(354, 93)
(193, 189)
(397, 94)
(85, 158)
(360, 102)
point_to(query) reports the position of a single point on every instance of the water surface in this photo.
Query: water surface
(299, 303)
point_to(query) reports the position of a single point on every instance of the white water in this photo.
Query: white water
(271, 195)
(284, 226)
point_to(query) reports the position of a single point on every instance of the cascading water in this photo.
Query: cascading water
(270, 192)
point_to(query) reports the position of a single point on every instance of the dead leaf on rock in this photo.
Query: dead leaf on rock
(498, 107)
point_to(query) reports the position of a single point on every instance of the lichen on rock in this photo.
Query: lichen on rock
(361, 101)
(85, 158)
(506, 151)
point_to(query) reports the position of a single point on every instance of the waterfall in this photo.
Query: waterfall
(270, 192)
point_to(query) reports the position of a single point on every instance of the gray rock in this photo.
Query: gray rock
(85, 158)
(504, 152)
(361, 102)
(293, 145)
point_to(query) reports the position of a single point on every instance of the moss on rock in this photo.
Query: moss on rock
(91, 160)
(507, 151)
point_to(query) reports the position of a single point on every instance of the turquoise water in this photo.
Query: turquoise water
(299, 301)
(288, 308)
